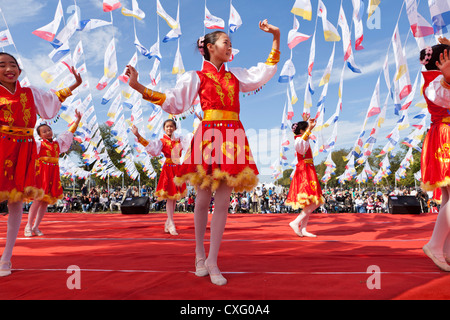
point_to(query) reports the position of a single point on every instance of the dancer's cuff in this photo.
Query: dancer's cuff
(306, 135)
(274, 57)
(445, 84)
(63, 94)
(154, 97)
(142, 141)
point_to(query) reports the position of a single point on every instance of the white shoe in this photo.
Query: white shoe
(5, 271)
(200, 268)
(308, 234)
(27, 232)
(37, 232)
(216, 277)
(294, 227)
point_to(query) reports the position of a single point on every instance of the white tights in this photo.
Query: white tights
(14, 219)
(439, 243)
(300, 223)
(218, 221)
(37, 211)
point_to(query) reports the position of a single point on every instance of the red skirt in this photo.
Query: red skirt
(435, 158)
(219, 152)
(17, 169)
(305, 187)
(48, 179)
(167, 189)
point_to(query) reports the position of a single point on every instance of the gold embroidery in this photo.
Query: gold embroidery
(218, 87)
(235, 150)
(8, 113)
(313, 185)
(230, 88)
(26, 111)
(8, 169)
(443, 154)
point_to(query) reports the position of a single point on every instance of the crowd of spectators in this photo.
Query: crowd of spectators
(263, 199)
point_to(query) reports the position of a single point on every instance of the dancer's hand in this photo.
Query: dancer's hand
(135, 131)
(266, 27)
(78, 79)
(305, 116)
(444, 65)
(312, 124)
(444, 40)
(78, 115)
(132, 73)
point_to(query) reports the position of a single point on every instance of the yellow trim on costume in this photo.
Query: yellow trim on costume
(446, 120)
(304, 200)
(17, 131)
(63, 94)
(154, 97)
(73, 128)
(274, 57)
(246, 180)
(220, 115)
(426, 186)
(306, 135)
(445, 84)
(51, 200)
(308, 161)
(142, 141)
(164, 195)
(30, 193)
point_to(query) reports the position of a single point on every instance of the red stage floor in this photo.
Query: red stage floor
(130, 257)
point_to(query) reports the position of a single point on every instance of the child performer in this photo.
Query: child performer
(18, 109)
(305, 191)
(219, 158)
(171, 147)
(47, 172)
(435, 158)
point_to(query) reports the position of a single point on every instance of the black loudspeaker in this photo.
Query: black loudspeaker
(404, 205)
(135, 205)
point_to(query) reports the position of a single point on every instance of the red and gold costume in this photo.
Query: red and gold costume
(18, 148)
(171, 149)
(47, 165)
(219, 151)
(305, 187)
(435, 159)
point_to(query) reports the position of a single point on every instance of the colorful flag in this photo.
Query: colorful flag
(59, 53)
(235, 20)
(373, 4)
(346, 42)
(48, 32)
(163, 14)
(374, 107)
(358, 10)
(5, 38)
(327, 73)
(67, 32)
(440, 15)
(175, 33)
(178, 66)
(329, 30)
(402, 76)
(111, 5)
(287, 72)
(295, 37)
(213, 22)
(303, 9)
(90, 24)
(134, 12)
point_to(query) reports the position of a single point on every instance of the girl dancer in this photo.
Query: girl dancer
(47, 172)
(435, 152)
(219, 158)
(305, 191)
(18, 109)
(171, 147)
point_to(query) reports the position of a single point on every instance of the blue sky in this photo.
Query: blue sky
(260, 113)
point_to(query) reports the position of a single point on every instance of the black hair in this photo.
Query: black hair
(437, 50)
(10, 55)
(38, 129)
(211, 37)
(298, 126)
(170, 120)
